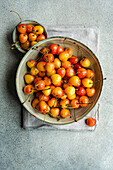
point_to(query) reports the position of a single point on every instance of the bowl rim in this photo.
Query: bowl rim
(55, 37)
(15, 30)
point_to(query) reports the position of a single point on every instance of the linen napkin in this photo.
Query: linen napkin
(89, 37)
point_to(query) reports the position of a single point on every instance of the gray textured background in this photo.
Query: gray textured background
(54, 150)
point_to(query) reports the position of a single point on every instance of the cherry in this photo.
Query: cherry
(35, 102)
(29, 89)
(56, 78)
(75, 81)
(23, 38)
(87, 82)
(64, 103)
(57, 63)
(29, 78)
(91, 122)
(74, 104)
(81, 91)
(60, 50)
(66, 64)
(50, 67)
(85, 62)
(40, 37)
(31, 63)
(46, 91)
(33, 43)
(38, 29)
(84, 100)
(41, 66)
(69, 51)
(34, 71)
(25, 45)
(64, 56)
(48, 57)
(64, 113)
(52, 102)
(57, 92)
(61, 71)
(90, 92)
(82, 72)
(73, 59)
(29, 28)
(70, 72)
(32, 36)
(53, 48)
(54, 112)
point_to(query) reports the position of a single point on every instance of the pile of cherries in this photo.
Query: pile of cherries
(29, 35)
(59, 81)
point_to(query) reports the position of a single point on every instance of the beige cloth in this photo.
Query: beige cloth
(89, 37)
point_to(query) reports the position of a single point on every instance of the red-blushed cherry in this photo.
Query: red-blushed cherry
(73, 59)
(29, 28)
(90, 92)
(91, 122)
(40, 84)
(52, 102)
(81, 72)
(90, 74)
(23, 38)
(32, 36)
(69, 51)
(29, 89)
(41, 97)
(81, 91)
(77, 66)
(75, 103)
(57, 92)
(66, 64)
(70, 72)
(22, 28)
(64, 103)
(61, 71)
(41, 37)
(84, 101)
(60, 50)
(48, 57)
(41, 66)
(47, 81)
(53, 48)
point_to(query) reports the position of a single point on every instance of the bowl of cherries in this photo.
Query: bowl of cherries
(26, 34)
(59, 80)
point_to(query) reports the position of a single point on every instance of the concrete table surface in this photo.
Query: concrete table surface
(54, 150)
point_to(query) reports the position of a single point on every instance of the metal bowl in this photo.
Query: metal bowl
(64, 42)
(16, 34)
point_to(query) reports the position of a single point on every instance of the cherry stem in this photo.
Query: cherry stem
(98, 80)
(96, 111)
(15, 43)
(18, 15)
(26, 99)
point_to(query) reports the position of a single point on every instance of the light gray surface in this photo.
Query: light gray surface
(55, 150)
